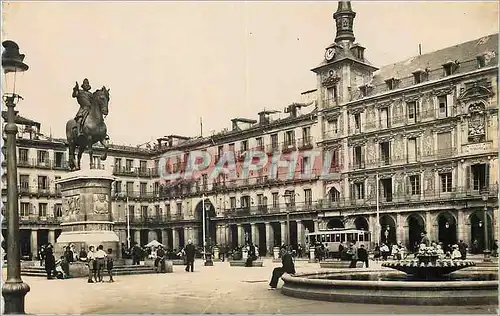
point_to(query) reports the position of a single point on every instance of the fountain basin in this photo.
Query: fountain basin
(471, 287)
(426, 270)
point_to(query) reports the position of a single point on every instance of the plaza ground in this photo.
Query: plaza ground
(217, 289)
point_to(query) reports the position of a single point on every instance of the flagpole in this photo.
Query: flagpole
(128, 225)
(378, 210)
(204, 238)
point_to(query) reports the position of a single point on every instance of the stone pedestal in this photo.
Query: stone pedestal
(312, 255)
(276, 253)
(87, 219)
(216, 254)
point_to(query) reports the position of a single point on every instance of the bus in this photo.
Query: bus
(332, 238)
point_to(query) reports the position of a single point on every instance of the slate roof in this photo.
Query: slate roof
(22, 120)
(463, 52)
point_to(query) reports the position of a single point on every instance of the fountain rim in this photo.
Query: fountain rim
(301, 278)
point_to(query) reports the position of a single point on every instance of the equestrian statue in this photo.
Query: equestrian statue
(88, 127)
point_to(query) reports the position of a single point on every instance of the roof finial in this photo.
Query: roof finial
(344, 18)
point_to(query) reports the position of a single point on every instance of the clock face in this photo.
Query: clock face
(330, 52)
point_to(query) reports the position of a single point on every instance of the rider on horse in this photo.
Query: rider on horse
(84, 98)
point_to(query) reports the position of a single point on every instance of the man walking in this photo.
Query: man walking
(190, 251)
(287, 267)
(462, 247)
(363, 255)
(353, 251)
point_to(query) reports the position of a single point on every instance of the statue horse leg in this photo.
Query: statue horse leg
(71, 160)
(81, 149)
(104, 142)
(91, 152)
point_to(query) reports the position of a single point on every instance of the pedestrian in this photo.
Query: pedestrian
(100, 258)
(160, 260)
(91, 265)
(384, 250)
(287, 266)
(50, 262)
(455, 254)
(462, 247)
(109, 264)
(494, 248)
(190, 251)
(363, 255)
(136, 254)
(376, 252)
(68, 254)
(424, 239)
(353, 251)
(83, 255)
(41, 255)
(251, 256)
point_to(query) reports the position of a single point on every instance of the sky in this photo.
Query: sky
(170, 63)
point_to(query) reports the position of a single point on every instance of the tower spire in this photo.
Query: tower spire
(344, 18)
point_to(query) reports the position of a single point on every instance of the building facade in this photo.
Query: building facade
(412, 145)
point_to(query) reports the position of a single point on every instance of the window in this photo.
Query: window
(289, 138)
(244, 145)
(232, 202)
(357, 122)
(276, 200)
(444, 143)
(478, 176)
(24, 183)
(412, 149)
(118, 187)
(417, 76)
(156, 188)
(334, 125)
(386, 189)
(24, 211)
(58, 210)
(274, 141)
(291, 197)
(142, 166)
(59, 159)
(167, 210)
(364, 90)
(359, 191)
(481, 61)
(384, 117)
(245, 202)
(179, 208)
(391, 83)
(58, 185)
(131, 212)
(385, 153)
(260, 200)
(130, 188)
(331, 95)
(118, 163)
(334, 195)
(143, 187)
(446, 181)
(306, 165)
(306, 134)
(231, 147)
(157, 211)
(450, 68)
(204, 181)
(308, 197)
(358, 158)
(260, 143)
(42, 209)
(43, 183)
(414, 188)
(335, 163)
(129, 164)
(443, 106)
(144, 211)
(23, 155)
(411, 109)
(42, 157)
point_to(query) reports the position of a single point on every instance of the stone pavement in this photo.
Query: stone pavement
(217, 289)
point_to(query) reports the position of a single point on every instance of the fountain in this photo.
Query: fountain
(425, 280)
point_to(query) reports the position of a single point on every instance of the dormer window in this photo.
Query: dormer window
(365, 90)
(391, 83)
(450, 68)
(419, 76)
(481, 61)
(358, 51)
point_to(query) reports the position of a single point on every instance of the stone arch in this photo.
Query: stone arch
(335, 223)
(210, 225)
(446, 224)
(415, 223)
(361, 223)
(387, 229)
(477, 227)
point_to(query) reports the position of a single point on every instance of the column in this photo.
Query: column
(137, 237)
(226, 234)
(175, 238)
(164, 237)
(269, 238)
(461, 226)
(255, 233)
(195, 235)
(34, 243)
(428, 226)
(52, 236)
(284, 233)
(241, 235)
(300, 233)
(399, 228)
(218, 234)
(186, 235)
(316, 225)
(152, 235)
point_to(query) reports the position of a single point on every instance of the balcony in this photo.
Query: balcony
(138, 195)
(288, 146)
(272, 148)
(39, 220)
(43, 164)
(125, 171)
(46, 164)
(24, 190)
(270, 209)
(305, 143)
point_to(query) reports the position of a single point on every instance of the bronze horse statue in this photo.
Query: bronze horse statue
(94, 129)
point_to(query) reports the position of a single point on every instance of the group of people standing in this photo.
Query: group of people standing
(97, 261)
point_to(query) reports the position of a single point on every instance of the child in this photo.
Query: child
(109, 264)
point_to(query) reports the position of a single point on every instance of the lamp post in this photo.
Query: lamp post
(206, 207)
(486, 251)
(14, 290)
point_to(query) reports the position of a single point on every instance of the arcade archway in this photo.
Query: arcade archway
(210, 225)
(447, 229)
(361, 223)
(388, 230)
(335, 223)
(476, 220)
(416, 225)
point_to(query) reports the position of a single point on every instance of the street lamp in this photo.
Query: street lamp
(486, 252)
(206, 208)
(288, 200)
(14, 290)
